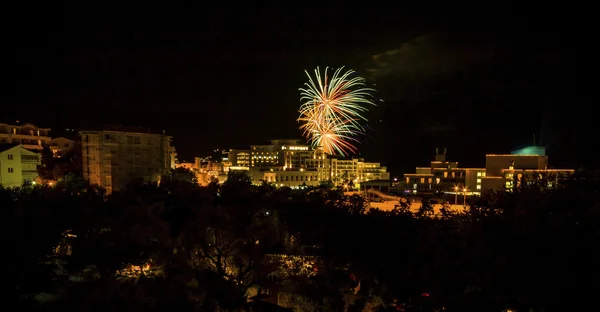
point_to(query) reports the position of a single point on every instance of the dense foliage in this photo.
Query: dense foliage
(234, 247)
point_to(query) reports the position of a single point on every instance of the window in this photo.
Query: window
(437, 180)
(11, 170)
(422, 180)
(478, 174)
(478, 180)
(478, 187)
(445, 174)
(430, 180)
(453, 174)
(10, 156)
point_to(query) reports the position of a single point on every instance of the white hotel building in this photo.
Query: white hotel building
(293, 164)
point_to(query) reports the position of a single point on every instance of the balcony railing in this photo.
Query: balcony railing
(29, 157)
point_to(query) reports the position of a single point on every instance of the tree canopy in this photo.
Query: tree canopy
(237, 247)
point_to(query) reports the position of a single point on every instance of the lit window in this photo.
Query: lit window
(453, 174)
(478, 180)
(422, 180)
(407, 180)
(478, 174)
(445, 174)
(483, 174)
(437, 180)
(478, 187)
(430, 180)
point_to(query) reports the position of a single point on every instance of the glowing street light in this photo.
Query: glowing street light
(455, 195)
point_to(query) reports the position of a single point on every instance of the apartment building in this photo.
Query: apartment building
(18, 166)
(115, 156)
(28, 135)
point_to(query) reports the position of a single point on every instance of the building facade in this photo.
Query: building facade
(113, 158)
(28, 135)
(502, 171)
(443, 176)
(18, 166)
(293, 164)
(506, 171)
(60, 146)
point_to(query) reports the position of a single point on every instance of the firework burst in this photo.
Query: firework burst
(331, 113)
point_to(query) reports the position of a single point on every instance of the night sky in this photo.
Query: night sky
(224, 78)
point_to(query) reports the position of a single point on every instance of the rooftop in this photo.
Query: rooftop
(129, 129)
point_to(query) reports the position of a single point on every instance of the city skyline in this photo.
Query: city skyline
(230, 79)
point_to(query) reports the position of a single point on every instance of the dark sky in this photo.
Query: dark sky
(221, 78)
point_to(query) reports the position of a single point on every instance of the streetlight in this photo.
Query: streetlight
(465, 194)
(455, 195)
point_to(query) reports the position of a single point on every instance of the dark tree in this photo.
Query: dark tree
(184, 174)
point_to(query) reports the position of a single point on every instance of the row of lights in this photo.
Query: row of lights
(456, 189)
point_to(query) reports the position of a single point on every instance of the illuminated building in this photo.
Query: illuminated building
(60, 146)
(501, 170)
(186, 165)
(18, 166)
(239, 157)
(508, 170)
(112, 158)
(293, 164)
(28, 135)
(291, 178)
(355, 170)
(443, 176)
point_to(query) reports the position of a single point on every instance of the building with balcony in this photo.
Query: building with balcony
(115, 156)
(239, 158)
(18, 166)
(28, 135)
(355, 170)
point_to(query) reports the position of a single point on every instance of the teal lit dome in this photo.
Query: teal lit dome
(531, 150)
